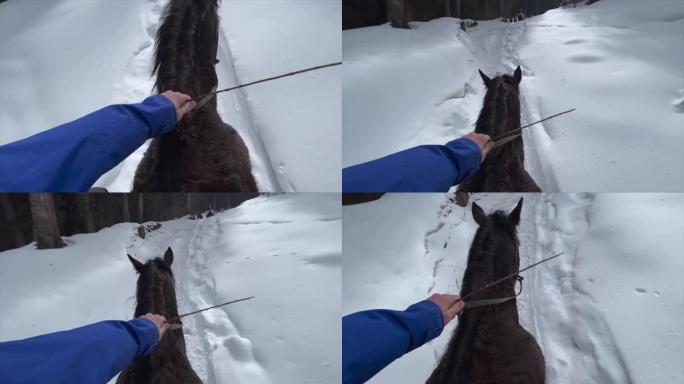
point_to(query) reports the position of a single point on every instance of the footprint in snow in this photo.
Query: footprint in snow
(640, 290)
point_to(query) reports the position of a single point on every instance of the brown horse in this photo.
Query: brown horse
(203, 154)
(504, 168)
(489, 344)
(168, 363)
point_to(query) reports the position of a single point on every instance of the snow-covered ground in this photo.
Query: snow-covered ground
(609, 311)
(63, 59)
(284, 250)
(618, 62)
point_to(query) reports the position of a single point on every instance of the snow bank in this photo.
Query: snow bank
(616, 62)
(68, 58)
(297, 119)
(607, 311)
(403, 88)
(285, 250)
(619, 63)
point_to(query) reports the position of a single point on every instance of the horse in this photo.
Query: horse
(489, 345)
(155, 293)
(203, 154)
(503, 170)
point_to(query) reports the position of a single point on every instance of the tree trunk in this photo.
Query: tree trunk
(14, 228)
(44, 217)
(126, 212)
(86, 212)
(140, 208)
(396, 10)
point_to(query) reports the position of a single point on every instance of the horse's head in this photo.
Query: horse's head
(501, 110)
(505, 81)
(494, 251)
(155, 292)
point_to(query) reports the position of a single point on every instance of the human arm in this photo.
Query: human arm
(373, 339)
(72, 156)
(91, 354)
(426, 168)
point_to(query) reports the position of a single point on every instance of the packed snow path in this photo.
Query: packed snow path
(595, 311)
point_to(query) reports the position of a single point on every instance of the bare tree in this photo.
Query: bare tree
(45, 227)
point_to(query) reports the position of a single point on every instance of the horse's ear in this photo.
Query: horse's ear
(517, 75)
(479, 215)
(485, 78)
(514, 216)
(168, 257)
(136, 264)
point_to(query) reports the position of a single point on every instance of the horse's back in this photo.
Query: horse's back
(504, 352)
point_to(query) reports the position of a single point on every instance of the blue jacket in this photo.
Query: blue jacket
(371, 340)
(426, 168)
(92, 354)
(71, 157)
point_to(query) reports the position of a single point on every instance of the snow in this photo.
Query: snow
(608, 311)
(617, 62)
(68, 58)
(284, 250)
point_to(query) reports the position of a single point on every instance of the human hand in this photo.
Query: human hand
(451, 305)
(159, 321)
(182, 102)
(483, 141)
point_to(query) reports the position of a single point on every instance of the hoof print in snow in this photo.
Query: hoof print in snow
(640, 290)
(585, 59)
(574, 41)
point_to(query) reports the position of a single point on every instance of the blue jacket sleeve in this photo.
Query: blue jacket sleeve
(91, 354)
(426, 168)
(72, 156)
(371, 340)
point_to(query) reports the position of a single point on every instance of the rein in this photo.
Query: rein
(519, 130)
(268, 79)
(169, 321)
(478, 303)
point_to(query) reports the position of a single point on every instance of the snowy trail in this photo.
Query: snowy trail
(494, 45)
(551, 300)
(215, 347)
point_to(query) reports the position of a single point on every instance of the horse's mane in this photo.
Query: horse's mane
(185, 48)
(500, 111)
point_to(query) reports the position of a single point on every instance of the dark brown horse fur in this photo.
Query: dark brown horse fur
(504, 168)
(203, 154)
(168, 363)
(489, 345)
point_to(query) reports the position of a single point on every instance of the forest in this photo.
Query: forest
(45, 217)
